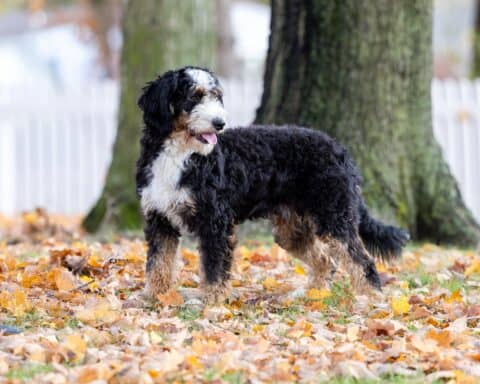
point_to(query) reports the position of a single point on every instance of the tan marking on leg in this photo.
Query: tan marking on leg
(297, 235)
(357, 275)
(215, 293)
(323, 258)
(163, 272)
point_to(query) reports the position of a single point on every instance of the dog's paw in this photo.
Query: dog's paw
(151, 292)
(215, 293)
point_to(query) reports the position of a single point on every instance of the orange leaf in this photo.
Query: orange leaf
(455, 297)
(443, 338)
(172, 297)
(64, 279)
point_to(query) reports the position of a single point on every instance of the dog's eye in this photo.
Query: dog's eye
(218, 95)
(197, 95)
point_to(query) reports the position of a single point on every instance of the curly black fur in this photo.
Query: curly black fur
(382, 241)
(253, 172)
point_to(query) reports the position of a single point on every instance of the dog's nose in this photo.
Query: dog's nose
(218, 123)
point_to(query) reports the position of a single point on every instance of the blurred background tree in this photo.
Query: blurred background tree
(361, 72)
(476, 43)
(158, 35)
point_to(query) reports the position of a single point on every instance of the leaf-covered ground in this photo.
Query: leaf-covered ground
(71, 310)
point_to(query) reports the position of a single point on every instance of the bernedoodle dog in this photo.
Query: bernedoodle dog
(196, 177)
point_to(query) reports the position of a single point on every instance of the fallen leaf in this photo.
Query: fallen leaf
(400, 305)
(318, 294)
(75, 344)
(270, 284)
(172, 297)
(64, 279)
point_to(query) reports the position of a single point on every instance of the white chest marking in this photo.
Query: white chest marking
(163, 194)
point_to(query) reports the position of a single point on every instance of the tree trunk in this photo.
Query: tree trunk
(361, 71)
(227, 61)
(476, 42)
(158, 35)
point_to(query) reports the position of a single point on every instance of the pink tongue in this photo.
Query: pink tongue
(211, 138)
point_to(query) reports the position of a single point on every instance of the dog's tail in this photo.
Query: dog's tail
(382, 241)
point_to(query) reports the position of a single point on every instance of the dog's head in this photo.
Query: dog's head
(187, 106)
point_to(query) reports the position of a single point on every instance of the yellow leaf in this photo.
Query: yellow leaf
(318, 294)
(270, 284)
(74, 343)
(299, 270)
(404, 284)
(80, 246)
(97, 311)
(16, 303)
(400, 305)
(92, 284)
(258, 328)
(381, 267)
(463, 378)
(155, 337)
(456, 296)
(473, 268)
(244, 252)
(302, 328)
(95, 260)
(194, 362)
(30, 217)
(64, 279)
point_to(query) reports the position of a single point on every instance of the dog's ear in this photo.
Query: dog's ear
(157, 95)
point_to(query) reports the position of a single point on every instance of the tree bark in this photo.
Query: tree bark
(476, 42)
(361, 71)
(158, 35)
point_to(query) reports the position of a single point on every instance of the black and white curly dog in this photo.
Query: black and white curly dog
(196, 177)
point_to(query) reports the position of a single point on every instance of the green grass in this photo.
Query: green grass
(341, 296)
(234, 377)
(72, 323)
(230, 377)
(29, 320)
(29, 255)
(453, 284)
(188, 313)
(291, 312)
(419, 279)
(28, 371)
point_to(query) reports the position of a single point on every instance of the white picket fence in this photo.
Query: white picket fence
(55, 146)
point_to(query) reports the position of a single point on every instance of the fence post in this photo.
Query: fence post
(7, 181)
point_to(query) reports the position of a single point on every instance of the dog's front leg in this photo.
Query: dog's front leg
(216, 251)
(162, 263)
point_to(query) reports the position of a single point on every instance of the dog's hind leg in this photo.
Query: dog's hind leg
(297, 235)
(162, 256)
(361, 266)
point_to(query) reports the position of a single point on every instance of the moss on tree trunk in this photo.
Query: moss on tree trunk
(476, 42)
(361, 71)
(158, 35)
